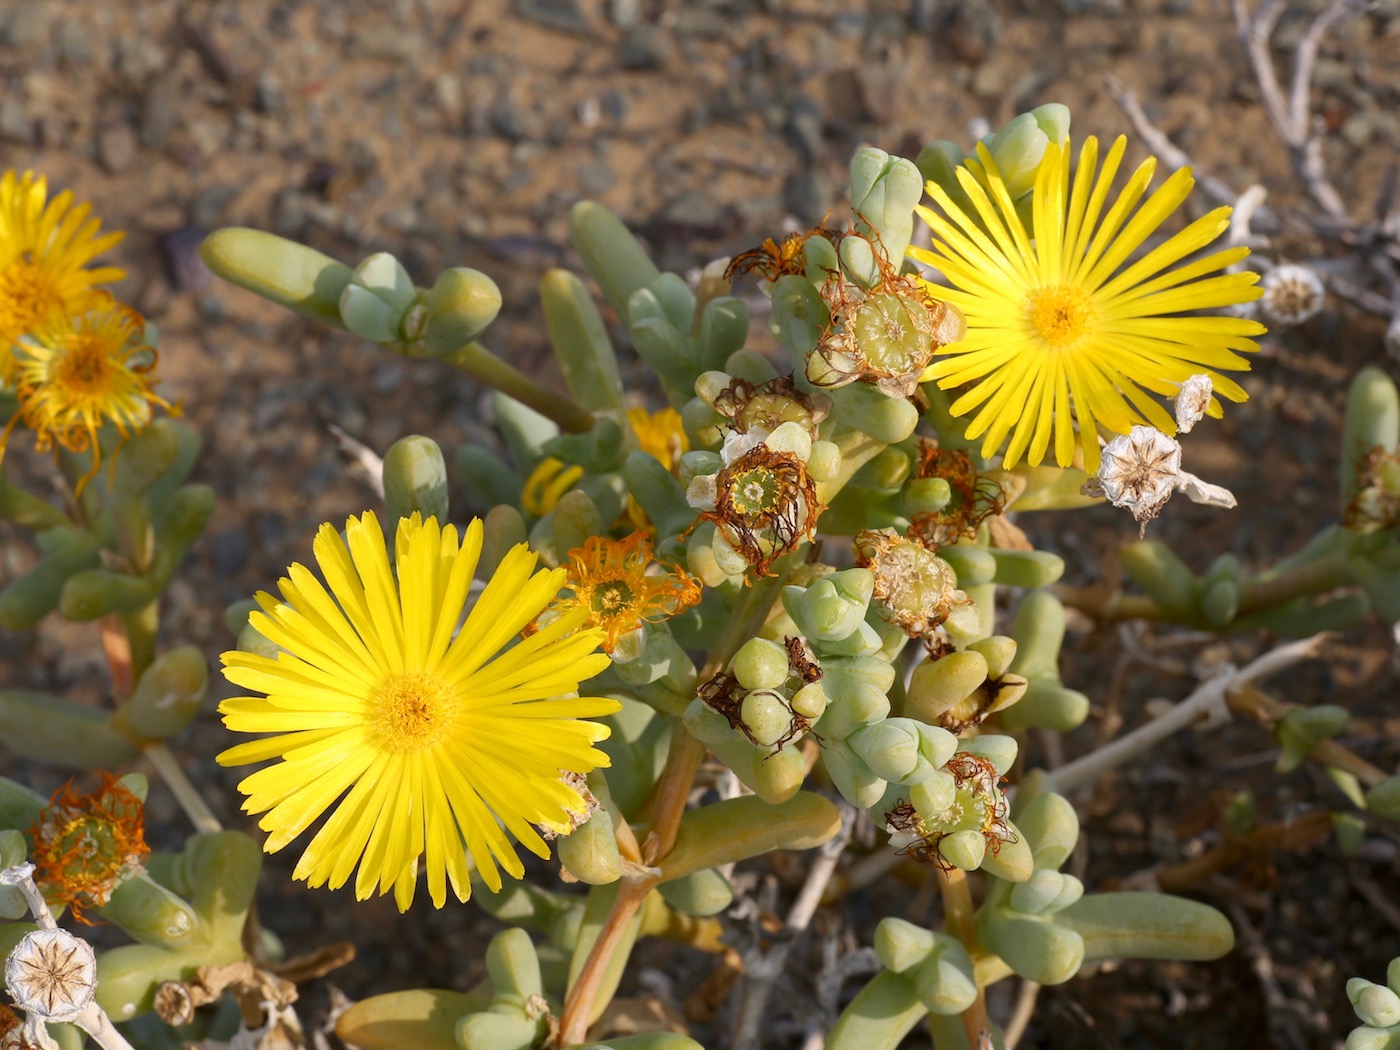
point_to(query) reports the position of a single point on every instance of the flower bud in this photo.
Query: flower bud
(415, 479)
(1374, 1004)
(999, 750)
(890, 748)
(168, 696)
(963, 849)
(932, 796)
(1018, 147)
(944, 980)
(810, 701)
(937, 685)
(766, 716)
(760, 664)
(900, 945)
(283, 271)
(852, 777)
(460, 306)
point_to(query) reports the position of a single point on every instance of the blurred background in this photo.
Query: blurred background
(459, 132)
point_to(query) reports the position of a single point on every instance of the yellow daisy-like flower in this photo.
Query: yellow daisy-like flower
(1060, 324)
(660, 434)
(76, 374)
(45, 247)
(420, 739)
(609, 583)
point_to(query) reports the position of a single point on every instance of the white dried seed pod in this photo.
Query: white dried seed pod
(1292, 294)
(52, 974)
(1138, 471)
(1192, 402)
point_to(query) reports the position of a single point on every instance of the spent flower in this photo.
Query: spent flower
(608, 580)
(1292, 294)
(914, 586)
(764, 504)
(85, 846)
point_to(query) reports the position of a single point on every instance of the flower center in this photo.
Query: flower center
(413, 711)
(85, 369)
(755, 492)
(27, 294)
(1061, 315)
(612, 598)
(887, 334)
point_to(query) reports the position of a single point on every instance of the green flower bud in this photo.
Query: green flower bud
(884, 190)
(415, 479)
(291, 274)
(858, 260)
(851, 708)
(973, 565)
(824, 462)
(760, 664)
(792, 438)
(997, 749)
(590, 853)
(1372, 420)
(900, 945)
(1012, 861)
(766, 716)
(963, 849)
(932, 796)
(890, 748)
(1036, 895)
(937, 685)
(1050, 827)
(703, 892)
(850, 775)
(1367, 1038)
(168, 696)
(1029, 569)
(925, 495)
(460, 306)
(999, 652)
(944, 980)
(1018, 148)
(810, 701)
(377, 299)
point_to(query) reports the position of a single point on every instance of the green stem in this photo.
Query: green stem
(189, 798)
(30, 511)
(1319, 576)
(479, 363)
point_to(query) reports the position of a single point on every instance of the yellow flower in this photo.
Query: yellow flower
(75, 374)
(608, 582)
(546, 485)
(660, 434)
(421, 742)
(44, 248)
(1058, 324)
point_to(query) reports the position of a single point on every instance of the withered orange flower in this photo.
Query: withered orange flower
(609, 579)
(766, 406)
(85, 846)
(773, 260)
(975, 497)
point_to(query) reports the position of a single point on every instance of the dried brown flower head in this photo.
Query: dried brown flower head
(1292, 294)
(766, 406)
(51, 974)
(975, 497)
(1376, 505)
(773, 260)
(885, 335)
(979, 806)
(764, 504)
(801, 664)
(85, 846)
(916, 588)
(1139, 471)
